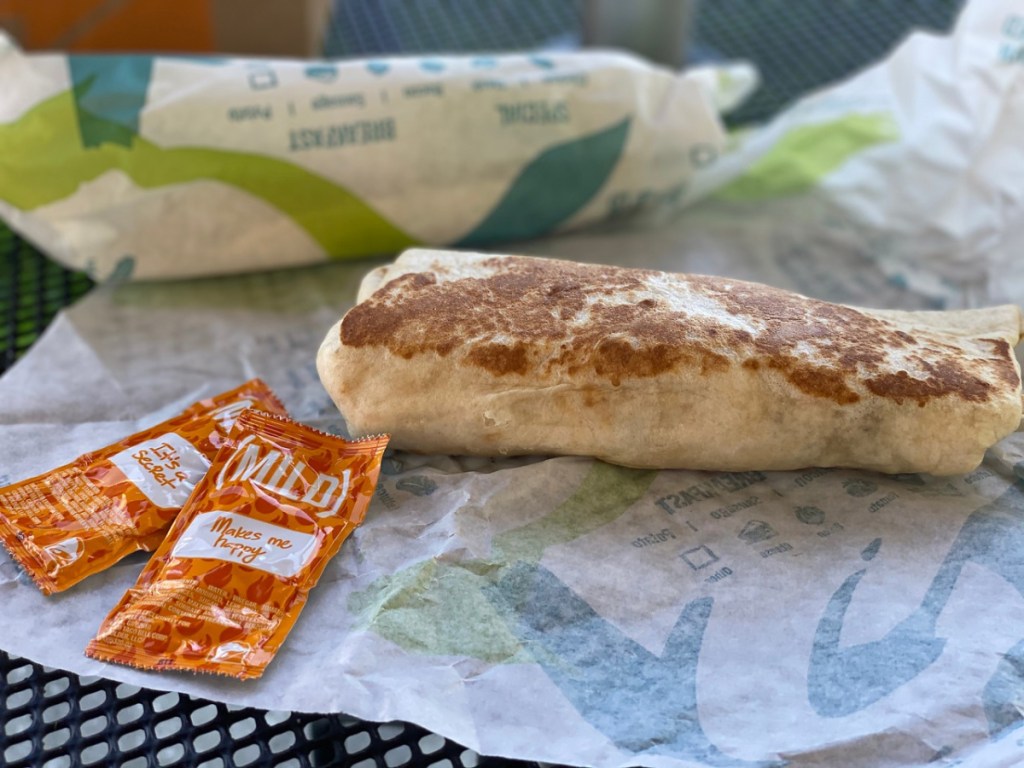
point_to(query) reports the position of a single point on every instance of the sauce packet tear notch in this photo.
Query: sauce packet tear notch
(228, 582)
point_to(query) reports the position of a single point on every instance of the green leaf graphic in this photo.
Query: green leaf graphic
(439, 606)
(805, 155)
(42, 160)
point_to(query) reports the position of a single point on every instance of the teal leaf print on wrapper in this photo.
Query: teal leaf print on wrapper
(554, 186)
(110, 92)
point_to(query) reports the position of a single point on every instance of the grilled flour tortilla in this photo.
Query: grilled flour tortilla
(466, 353)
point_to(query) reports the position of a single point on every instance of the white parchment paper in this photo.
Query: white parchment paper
(565, 610)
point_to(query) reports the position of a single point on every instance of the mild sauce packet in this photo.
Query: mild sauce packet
(81, 518)
(227, 584)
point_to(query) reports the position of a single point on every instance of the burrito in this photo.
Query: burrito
(466, 353)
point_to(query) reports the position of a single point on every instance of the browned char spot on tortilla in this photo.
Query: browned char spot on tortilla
(944, 376)
(814, 380)
(851, 348)
(501, 358)
(1003, 362)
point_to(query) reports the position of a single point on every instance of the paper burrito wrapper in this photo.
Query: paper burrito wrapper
(464, 353)
(184, 166)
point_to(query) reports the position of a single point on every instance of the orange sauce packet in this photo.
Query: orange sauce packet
(81, 518)
(227, 584)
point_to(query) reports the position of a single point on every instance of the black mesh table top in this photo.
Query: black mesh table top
(32, 290)
(60, 720)
(57, 719)
(797, 45)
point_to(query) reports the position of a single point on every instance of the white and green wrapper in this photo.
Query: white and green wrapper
(185, 166)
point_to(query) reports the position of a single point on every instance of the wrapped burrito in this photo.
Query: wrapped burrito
(175, 166)
(465, 353)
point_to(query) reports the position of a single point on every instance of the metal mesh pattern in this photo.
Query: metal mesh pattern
(374, 27)
(801, 45)
(797, 45)
(59, 720)
(32, 290)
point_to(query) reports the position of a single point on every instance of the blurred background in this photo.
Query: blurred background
(797, 45)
